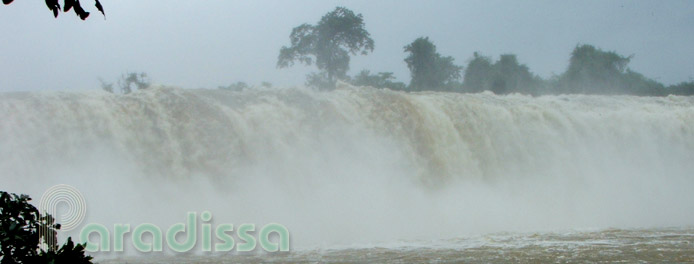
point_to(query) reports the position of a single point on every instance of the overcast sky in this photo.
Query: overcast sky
(196, 44)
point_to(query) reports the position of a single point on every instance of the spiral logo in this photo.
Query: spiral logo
(71, 216)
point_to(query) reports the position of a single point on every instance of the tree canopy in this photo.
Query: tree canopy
(591, 70)
(128, 82)
(595, 71)
(683, 88)
(379, 80)
(504, 76)
(478, 73)
(328, 44)
(429, 70)
(54, 6)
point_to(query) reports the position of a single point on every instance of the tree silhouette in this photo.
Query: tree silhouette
(594, 71)
(511, 76)
(429, 70)
(479, 73)
(54, 6)
(329, 44)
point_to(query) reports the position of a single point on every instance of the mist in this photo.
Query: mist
(565, 125)
(359, 166)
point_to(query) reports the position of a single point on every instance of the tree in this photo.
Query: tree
(478, 74)
(131, 80)
(429, 70)
(20, 223)
(329, 44)
(380, 80)
(511, 76)
(128, 82)
(54, 5)
(594, 71)
(504, 76)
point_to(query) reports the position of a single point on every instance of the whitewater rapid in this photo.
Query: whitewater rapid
(358, 165)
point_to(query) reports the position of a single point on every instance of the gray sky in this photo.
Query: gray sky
(195, 44)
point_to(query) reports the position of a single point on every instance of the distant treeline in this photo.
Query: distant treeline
(590, 71)
(329, 43)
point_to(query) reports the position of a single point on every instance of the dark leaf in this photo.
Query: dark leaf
(80, 11)
(68, 4)
(7, 2)
(54, 6)
(100, 8)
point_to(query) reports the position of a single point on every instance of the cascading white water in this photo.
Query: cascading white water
(358, 165)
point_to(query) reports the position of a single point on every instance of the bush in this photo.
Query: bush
(504, 76)
(128, 82)
(131, 80)
(380, 80)
(20, 223)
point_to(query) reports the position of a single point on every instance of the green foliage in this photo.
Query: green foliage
(510, 76)
(131, 81)
(478, 74)
(593, 71)
(20, 223)
(237, 86)
(380, 80)
(634, 83)
(429, 70)
(19, 226)
(54, 6)
(68, 253)
(590, 71)
(504, 76)
(128, 82)
(684, 88)
(328, 44)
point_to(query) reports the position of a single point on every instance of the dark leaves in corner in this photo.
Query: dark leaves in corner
(80, 11)
(68, 4)
(100, 8)
(54, 6)
(75, 5)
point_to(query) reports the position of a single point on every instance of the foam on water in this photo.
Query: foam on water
(358, 165)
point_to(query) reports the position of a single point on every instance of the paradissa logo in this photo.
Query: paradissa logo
(72, 217)
(76, 207)
(223, 233)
